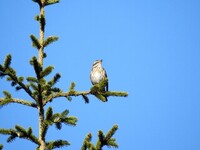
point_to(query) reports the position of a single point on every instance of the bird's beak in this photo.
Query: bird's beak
(101, 60)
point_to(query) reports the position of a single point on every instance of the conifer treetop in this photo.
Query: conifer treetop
(42, 91)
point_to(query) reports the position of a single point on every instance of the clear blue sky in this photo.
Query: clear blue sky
(150, 49)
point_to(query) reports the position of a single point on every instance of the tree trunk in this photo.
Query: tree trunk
(40, 61)
(41, 128)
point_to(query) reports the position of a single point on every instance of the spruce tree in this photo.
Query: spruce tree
(42, 92)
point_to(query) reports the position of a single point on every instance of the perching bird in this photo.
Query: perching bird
(98, 73)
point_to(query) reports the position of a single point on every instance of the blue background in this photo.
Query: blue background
(150, 49)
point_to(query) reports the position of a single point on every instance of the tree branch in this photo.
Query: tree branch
(20, 132)
(66, 94)
(23, 86)
(1, 146)
(4, 101)
(83, 93)
(6, 70)
(103, 140)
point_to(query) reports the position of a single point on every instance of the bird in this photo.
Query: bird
(98, 74)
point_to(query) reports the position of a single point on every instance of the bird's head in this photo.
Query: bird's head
(97, 63)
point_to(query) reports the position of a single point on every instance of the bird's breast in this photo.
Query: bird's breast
(96, 77)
